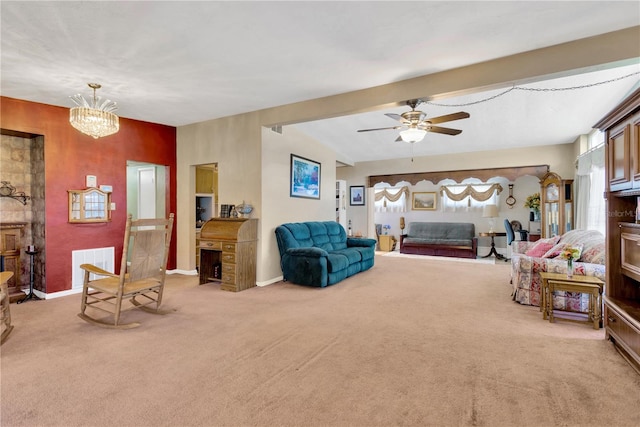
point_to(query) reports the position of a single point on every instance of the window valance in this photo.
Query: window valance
(470, 191)
(391, 199)
(392, 194)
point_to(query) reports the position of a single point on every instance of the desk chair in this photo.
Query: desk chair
(511, 232)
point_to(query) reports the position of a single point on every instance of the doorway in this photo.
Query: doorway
(146, 190)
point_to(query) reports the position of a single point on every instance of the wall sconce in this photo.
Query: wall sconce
(8, 190)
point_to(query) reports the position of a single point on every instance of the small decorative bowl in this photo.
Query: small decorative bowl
(244, 210)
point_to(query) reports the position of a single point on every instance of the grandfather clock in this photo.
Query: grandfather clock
(556, 204)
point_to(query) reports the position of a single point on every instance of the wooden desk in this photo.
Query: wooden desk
(591, 285)
(493, 251)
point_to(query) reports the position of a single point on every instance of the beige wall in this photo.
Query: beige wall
(247, 169)
(278, 207)
(234, 143)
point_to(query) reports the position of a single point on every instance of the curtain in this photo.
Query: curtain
(391, 199)
(590, 206)
(470, 191)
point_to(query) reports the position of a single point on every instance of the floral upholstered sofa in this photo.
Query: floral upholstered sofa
(530, 258)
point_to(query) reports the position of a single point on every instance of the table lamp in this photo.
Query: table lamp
(491, 212)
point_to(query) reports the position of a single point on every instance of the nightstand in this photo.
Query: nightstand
(387, 242)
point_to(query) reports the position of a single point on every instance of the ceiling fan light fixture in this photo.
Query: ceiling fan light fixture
(413, 135)
(94, 118)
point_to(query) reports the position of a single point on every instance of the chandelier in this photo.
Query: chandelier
(94, 118)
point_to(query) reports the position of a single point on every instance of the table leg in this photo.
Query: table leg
(543, 299)
(493, 251)
(550, 303)
(596, 308)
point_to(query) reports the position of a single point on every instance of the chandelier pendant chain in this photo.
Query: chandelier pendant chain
(531, 89)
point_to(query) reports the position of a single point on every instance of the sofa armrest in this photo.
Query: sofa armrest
(312, 252)
(520, 246)
(367, 243)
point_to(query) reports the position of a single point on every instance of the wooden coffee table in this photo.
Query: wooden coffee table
(590, 285)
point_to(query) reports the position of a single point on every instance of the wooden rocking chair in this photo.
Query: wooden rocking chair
(142, 273)
(5, 314)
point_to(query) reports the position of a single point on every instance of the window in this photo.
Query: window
(391, 199)
(469, 197)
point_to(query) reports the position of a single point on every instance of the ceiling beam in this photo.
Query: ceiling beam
(575, 57)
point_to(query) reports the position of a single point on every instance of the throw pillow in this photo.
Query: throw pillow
(594, 255)
(542, 246)
(554, 251)
(557, 250)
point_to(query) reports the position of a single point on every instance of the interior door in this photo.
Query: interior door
(147, 192)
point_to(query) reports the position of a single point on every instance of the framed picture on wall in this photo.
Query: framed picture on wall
(356, 195)
(305, 178)
(423, 201)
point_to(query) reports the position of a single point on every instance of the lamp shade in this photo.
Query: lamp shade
(412, 135)
(490, 211)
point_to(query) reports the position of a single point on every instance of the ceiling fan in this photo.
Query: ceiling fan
(417, 125)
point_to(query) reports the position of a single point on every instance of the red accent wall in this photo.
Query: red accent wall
(70, 156)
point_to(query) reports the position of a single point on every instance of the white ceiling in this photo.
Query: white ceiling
(178, 63)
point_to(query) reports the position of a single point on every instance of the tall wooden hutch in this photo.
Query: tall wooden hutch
(556, 204)
(622, 166)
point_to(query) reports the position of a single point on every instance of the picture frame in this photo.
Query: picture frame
(305, 178)
(424, 201)
(356, 195)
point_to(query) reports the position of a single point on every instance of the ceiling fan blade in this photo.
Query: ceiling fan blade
(397, 117)
(448, 118)
(446, 131)
(399, 139)
(369, 130)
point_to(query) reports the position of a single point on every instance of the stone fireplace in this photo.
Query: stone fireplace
(22, 165)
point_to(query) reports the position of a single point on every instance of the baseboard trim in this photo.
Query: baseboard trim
(185, 272)
(270, 282)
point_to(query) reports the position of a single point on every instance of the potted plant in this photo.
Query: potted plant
(533, 203)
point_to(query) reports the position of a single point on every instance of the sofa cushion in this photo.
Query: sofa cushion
(441, 230)
(594, 255)
(337, 262)
(584, 240)
(555, 250)
(325, 235)
(431, 241)
(540, 247)
(353, 255)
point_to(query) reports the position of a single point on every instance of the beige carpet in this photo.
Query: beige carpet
(410, 342)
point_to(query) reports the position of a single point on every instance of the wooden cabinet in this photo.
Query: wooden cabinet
(387, 242)
(10, 243)
(228, 252)
(556, 204)
(90, 205)
(623, 154)
(622, 290)
(204, 179)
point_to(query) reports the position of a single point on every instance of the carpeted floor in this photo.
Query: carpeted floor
(412, 342)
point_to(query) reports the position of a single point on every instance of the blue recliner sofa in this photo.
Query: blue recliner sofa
(320, 254)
